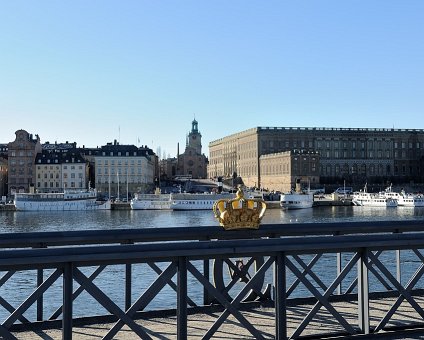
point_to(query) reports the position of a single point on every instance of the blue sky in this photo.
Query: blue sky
(95, 71)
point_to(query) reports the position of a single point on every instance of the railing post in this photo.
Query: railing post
(280, 296)
(128, 285)
(206, 274)
(363, 289)
(40, 279)
(67, 302)
(339, 270)
(398, 268)
(339, 267)
(182, 299)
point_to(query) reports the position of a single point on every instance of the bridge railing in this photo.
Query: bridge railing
(277, 264)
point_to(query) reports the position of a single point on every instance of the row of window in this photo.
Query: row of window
(105, 171)
(21, 153)
(119, 153)
(107, 180)
(372, 169)
(118, 162)
(56, 185)
(65, 175)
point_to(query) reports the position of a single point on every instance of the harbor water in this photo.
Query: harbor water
(22, 284)
(21, 221)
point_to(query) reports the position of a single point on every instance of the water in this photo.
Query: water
(23, 283)
(117, 219)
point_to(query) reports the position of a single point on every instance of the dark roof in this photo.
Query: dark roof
(53, 157)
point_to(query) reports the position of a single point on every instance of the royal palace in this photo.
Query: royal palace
(276, 157)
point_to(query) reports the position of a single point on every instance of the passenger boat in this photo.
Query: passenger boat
(151, 202)
(186, 201)
(404, 199)
(364, 198)
(65, 201)
(296, 200)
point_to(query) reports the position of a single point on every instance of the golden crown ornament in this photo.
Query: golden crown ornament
(239, 212)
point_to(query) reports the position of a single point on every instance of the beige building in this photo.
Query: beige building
(351, 155)
(57, 171)
(122, 170)
(281, 171)
(21, 161)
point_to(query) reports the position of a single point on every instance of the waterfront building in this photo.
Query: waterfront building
(3, 170)
(3, 176)
(280, 171)
(59, 169)
(123, 169)
(351, 155)
(21, 161)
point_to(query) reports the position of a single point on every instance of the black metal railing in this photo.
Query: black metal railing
(277, 263)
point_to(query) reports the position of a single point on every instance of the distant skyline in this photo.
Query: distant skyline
(94, 71)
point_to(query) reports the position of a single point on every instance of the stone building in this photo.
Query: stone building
(352, 155)
(57, 170)
(168, 168)
(192, 162)
(3, 170)
(21, 161)
(3, 177)
(121, 170)
(280, 171)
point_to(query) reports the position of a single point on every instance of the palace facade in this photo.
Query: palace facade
(351, 155)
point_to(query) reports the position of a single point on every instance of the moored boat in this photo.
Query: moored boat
(151, 202)
(185, 201)
(404, 199)
(65, 201)
(296, 200)
(367, 199)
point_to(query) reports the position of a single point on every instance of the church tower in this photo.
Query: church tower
(194, 138)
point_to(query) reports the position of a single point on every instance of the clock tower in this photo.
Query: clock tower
(194, 138)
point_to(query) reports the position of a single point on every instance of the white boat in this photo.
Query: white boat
(404, 199)
(296, 200)
(185, 201)
(65, 201)
(151, 202)
(367, 199)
